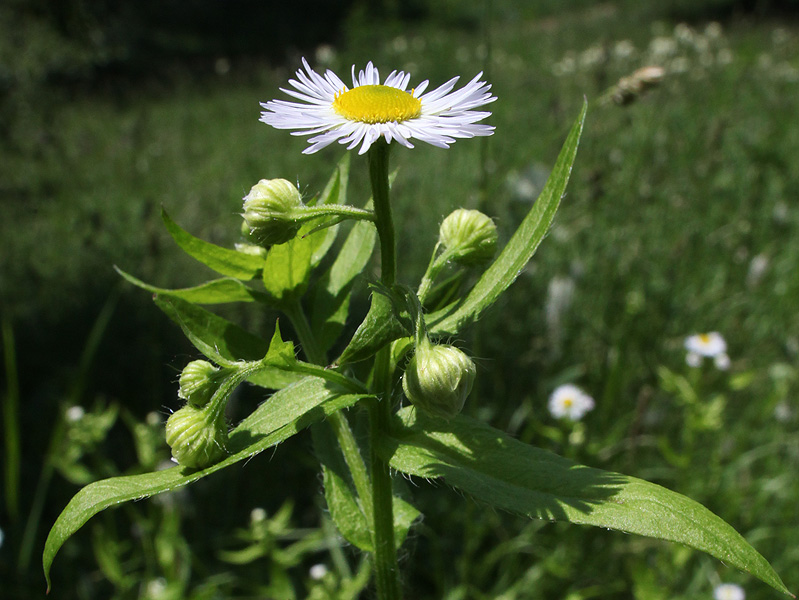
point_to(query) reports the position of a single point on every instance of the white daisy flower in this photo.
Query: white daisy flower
(728, 591)
(331, 111)
(570, 402)
(318, 571)
(710, 345)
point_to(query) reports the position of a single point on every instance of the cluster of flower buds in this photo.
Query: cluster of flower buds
(468, 236)
(197, 433)
(272, 210)
(438, 379)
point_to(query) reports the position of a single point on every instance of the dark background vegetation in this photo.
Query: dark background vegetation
(109, 110)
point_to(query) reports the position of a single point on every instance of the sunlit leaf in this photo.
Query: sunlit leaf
(224, 261)
(223, 341)
(218, 291)
(343, 503)
(508, 474)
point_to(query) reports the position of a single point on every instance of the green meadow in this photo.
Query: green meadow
(681, 217)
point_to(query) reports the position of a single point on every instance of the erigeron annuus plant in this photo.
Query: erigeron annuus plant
(397, 349)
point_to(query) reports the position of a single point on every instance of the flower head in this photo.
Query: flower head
(438, 379)
(570, 402)
(333, 112)
(469, 235)
(728, 591)
(710, 345)
(196, 439)
(271, 209)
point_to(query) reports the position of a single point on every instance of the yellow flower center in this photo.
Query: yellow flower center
(567, 402)
(377, 104)
(704, 338)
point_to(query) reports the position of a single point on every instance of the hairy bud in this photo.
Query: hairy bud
(195, 439)
(270, 211)
(198, 382)
(468, 236)
(438, 379)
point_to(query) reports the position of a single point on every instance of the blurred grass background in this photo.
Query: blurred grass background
(680, 217)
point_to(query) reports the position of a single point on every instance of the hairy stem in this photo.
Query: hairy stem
(385, 556)
(338, 421)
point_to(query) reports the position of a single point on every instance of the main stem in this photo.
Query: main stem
(385, 554)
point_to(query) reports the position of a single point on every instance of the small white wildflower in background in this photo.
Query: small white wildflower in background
(155, 588)
(661, 48)
(74, 414)
(317, 571)
(592, 57)
(623, 49)
(757, 268)
(724, 56)
(710, 345)
(728, 591)
(564, 66)
(560, 295)
(257, 515)
(684, 33)
(713, 30)
(325, 54)
(569, 401)
(782, 412)
(222, 66)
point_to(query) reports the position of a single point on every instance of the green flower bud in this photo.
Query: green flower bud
(195, 439)
(468, 236)
(198, 382)
(270, 211)
(438, 379)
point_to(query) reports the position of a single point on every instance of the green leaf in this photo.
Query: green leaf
(288, 411)
(218, 291)
(521, 247)
(380, 327)
(335, 192)
(288, 266)
(222, 260)
(222, 341)
(342, 499)
(501, 471)
(332, 295)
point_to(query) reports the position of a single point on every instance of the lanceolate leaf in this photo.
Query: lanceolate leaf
(223, 341)
(521, 247)
(380, 327)
(503, 472)
(345, 508)
(332, 295)
(218, 291)
(288, 266)
(222, 260)
(284, 414)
